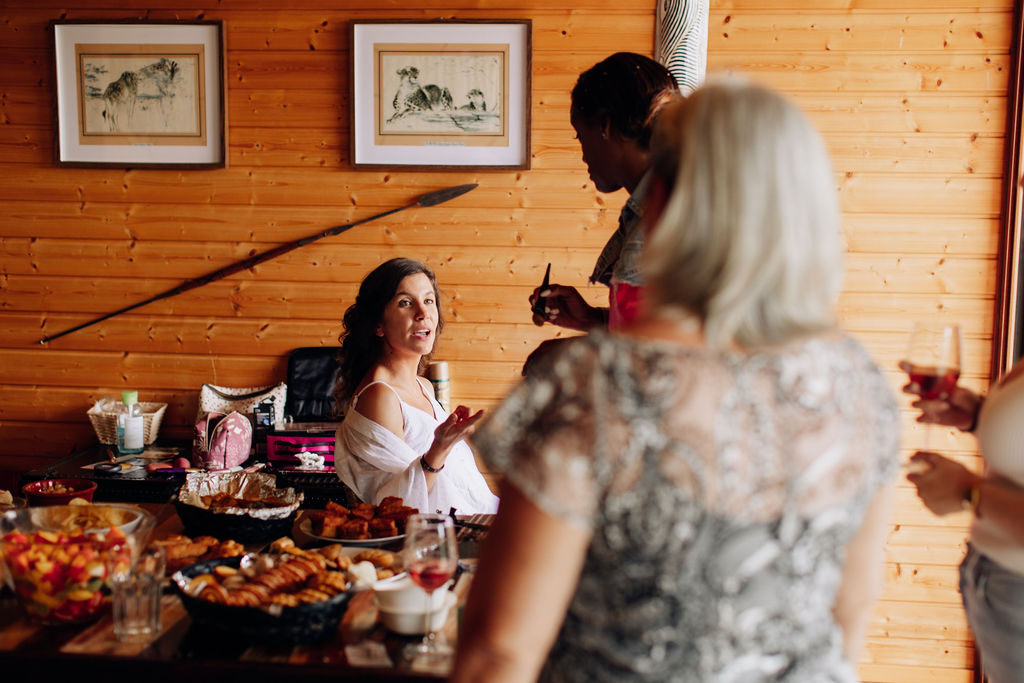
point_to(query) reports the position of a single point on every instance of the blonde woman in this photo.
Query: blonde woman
(702, 496)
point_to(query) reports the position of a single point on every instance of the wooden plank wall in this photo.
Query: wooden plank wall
(911, 99)
(910, 95)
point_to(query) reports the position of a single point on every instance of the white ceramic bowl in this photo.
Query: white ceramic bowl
(411, 623)
(400, 594)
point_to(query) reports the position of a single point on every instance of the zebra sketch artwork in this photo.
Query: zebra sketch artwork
(149, 97)
(122, 95)
(441, 94)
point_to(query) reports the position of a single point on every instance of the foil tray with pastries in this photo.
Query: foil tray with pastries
(245, 506)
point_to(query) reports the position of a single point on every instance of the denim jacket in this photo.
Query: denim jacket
(620, 258)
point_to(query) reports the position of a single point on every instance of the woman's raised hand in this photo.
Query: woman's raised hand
(457, 427)
(459, 424)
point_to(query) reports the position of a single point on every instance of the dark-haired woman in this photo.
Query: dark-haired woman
(396, 439)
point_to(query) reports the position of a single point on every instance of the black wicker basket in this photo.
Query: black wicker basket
(305, 623)
(242, 528)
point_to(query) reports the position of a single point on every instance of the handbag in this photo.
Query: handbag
(221, 441)
(224, 400)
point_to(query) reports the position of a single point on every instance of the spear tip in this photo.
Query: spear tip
(443, 195)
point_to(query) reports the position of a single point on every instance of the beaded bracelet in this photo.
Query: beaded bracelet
(428, 467)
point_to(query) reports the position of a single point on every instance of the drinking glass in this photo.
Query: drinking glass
(431, 556)
(136, 594)
(933, 361)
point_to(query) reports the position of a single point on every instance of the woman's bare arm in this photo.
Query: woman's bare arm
(861, 582)
(1003, 503)
(529, 568)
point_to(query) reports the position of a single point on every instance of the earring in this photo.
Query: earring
(604, 136)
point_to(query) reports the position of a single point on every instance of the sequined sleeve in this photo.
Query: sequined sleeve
(541, 437)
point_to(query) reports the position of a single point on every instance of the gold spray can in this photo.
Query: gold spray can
(437, 373)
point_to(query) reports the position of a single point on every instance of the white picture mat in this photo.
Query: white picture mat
(365, 151)
(72, 151)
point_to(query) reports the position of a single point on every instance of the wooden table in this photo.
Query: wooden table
(187, 653)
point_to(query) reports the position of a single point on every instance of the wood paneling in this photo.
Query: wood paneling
(910, 96)
(319, 148)
(327, 112)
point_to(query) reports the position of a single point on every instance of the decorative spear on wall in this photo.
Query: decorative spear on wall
(430, 199)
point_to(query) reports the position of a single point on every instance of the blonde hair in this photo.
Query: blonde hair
(749, 238)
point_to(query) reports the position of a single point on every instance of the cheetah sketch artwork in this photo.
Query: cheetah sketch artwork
(449, 98)
(412, 97)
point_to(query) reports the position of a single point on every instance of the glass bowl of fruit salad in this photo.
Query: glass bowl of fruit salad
(58, 560)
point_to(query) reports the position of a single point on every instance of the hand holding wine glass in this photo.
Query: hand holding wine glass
(431, 557)
(959, 409)
(933, 365)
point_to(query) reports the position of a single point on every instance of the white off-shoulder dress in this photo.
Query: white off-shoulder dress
(374, 462)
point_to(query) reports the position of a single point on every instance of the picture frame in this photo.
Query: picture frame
(140, 93)
(440, 94)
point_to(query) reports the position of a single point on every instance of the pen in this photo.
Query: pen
(157, 468)
(540, 305)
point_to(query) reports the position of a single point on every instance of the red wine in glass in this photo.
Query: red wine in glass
(934, 382)
(431, 575)
(933, 362)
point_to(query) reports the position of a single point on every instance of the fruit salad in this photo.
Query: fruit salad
(60, 576)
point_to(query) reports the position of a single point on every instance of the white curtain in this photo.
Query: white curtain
(681, 43)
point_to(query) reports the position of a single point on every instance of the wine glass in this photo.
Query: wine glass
(431, 557)
(933, 361)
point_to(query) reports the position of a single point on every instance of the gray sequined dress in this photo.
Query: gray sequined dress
(721, 490)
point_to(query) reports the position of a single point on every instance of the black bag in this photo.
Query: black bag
(312, 378)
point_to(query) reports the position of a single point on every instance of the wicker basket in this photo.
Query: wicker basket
(105, 422)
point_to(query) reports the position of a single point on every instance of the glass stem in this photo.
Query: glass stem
(428, 635)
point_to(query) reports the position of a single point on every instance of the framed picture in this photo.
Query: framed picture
(140, 94)
(440, 94)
